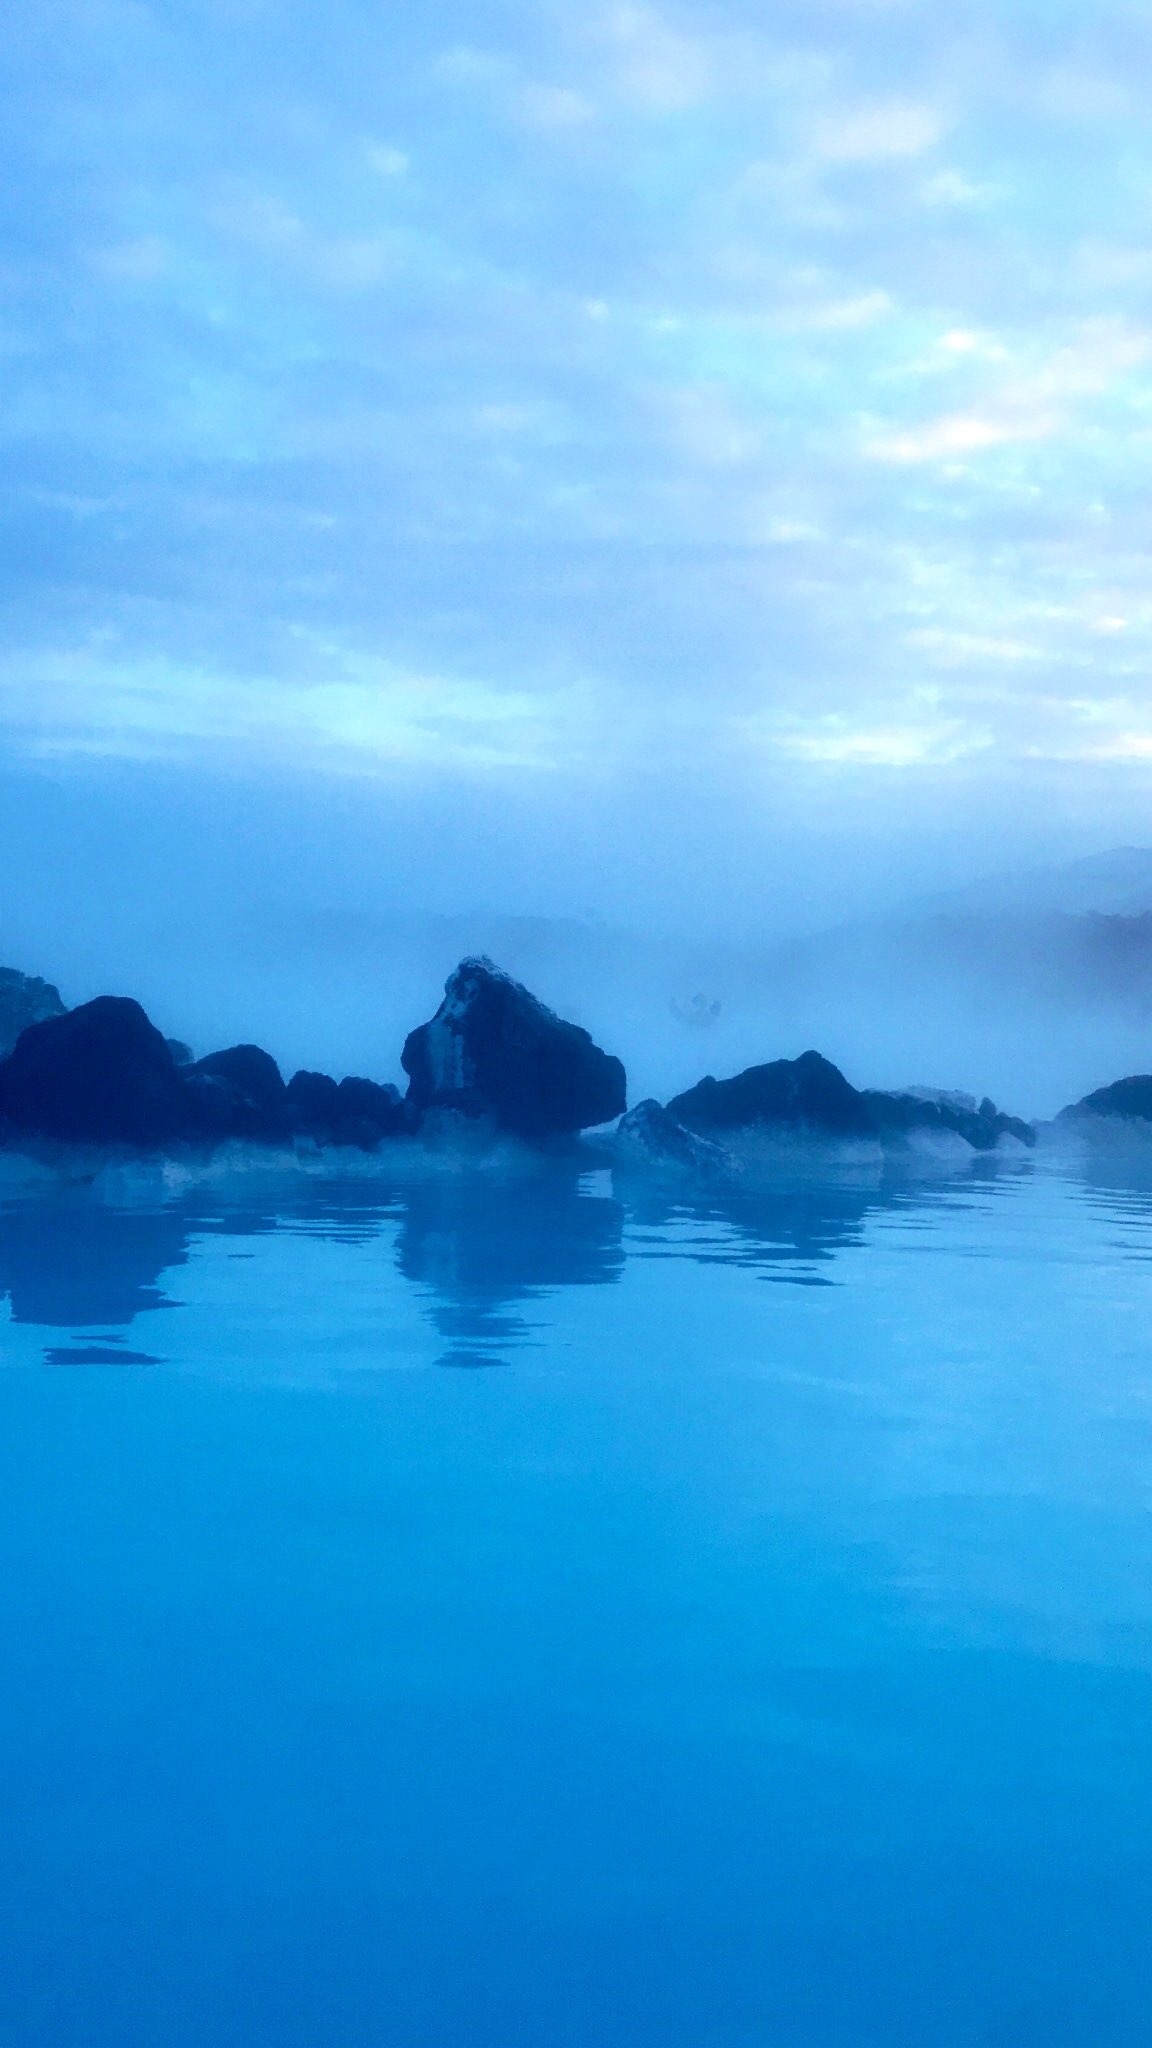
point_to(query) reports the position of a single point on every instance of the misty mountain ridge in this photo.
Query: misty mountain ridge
(1117, 883)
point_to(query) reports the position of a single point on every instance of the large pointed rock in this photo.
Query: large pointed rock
(101, 1074)
(492, 1050)
(808, 1097)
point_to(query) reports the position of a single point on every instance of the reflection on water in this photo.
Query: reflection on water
(74, 1262)
(480, 1254)
(478, 1247)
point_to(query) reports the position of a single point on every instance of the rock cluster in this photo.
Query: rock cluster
(804, 1101)
(104, 1075)
(493, 1057)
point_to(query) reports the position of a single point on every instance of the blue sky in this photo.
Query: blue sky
(731, 421)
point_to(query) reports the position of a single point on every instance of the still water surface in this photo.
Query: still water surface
(481, 1610)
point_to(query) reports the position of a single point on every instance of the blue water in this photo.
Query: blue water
(478, 1609)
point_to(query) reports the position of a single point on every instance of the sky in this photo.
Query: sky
(651, 462)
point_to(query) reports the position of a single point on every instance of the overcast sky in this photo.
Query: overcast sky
(577, 454)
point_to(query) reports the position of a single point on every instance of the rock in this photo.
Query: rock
(24, 1000)
(101, 1074)
(1130, 1098)
(348, 1112)
(808, 1097)
(311, 1101)
(492, 1050)
(898, 1117)
(649, 1140)
(181, 1053)
(237, 1093)
(367, 1111)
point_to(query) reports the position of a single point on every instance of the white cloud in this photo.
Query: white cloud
(883, 132)
(840, 315)
(839, 742)
(958, 649)
(949, 188)
(956, 435)
(355, 711)
(1027, 405)
(387, 160)
(656, 67)
(554, 106)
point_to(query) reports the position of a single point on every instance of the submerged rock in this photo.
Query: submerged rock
(1130, 1099)
(650, 1140)
(101, 1074)
(24, 1000)
(807, 1097)
(915, 1112)
(493, 1051)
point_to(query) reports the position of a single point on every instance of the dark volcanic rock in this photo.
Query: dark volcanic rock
(101, 1074)
(372, 1106)
(349, 1112)
(24, 1000)
(649, 1140)
(492, 1050)
(1129, 1098)
(237, 1093)
(311, 1101)
(808, 1097)
(898, 1116)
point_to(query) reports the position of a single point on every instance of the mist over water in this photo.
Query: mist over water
(322, 921)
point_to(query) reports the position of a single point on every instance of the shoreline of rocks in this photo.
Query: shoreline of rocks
(492, 1060)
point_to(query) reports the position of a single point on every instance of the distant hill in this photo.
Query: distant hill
(1113, 884)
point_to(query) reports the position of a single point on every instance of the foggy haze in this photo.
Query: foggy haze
(322, 923)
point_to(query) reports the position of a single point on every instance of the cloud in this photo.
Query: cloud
(882, 132)
(1019, 407)
(349, 712)
(838, 742)
(655, 66)
(753, 364)
(554, 106)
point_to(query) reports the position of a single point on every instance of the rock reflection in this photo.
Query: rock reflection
(479, 1246)
(793, 1226)
(483, 1247)
(74, 1262)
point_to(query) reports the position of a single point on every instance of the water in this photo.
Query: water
(478, 1609)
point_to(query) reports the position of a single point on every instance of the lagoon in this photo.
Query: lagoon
(455, 1606)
